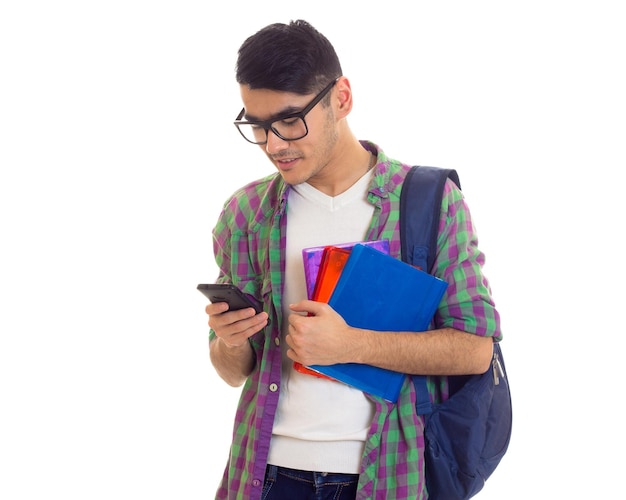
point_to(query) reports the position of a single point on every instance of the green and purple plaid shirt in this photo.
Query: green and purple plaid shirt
(249, 243)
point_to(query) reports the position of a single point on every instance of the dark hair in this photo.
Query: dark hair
(292, 57)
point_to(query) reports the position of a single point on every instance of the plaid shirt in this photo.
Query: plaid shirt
(249, 244)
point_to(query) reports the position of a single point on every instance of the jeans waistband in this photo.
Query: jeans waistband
(311, 476)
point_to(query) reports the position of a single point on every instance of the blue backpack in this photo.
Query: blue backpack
(468, 434)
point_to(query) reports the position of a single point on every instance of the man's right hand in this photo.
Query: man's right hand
(234, 327)
(231, 353)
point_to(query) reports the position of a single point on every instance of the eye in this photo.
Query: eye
(287, 122)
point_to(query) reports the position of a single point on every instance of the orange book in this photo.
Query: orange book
(333, 260)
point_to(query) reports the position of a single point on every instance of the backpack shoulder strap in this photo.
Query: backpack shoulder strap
(420, 205)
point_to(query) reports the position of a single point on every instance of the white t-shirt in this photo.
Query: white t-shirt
(320, 425)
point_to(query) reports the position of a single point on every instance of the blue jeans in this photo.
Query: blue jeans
(290, 484)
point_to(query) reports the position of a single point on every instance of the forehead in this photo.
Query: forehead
(264, 104)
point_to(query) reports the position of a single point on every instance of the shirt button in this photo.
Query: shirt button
(256, 482)
(273, 387)
(277, 341)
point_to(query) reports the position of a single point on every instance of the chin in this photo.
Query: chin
(293, 175)
(292, 179)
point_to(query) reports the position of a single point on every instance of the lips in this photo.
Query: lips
(286, 163)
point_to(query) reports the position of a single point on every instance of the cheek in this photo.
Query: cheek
(327, 139)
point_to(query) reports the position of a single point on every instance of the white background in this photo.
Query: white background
(117, 150)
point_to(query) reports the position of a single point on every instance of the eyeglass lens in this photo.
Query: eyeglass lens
(289, 129)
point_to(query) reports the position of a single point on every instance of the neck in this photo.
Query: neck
(346, 168)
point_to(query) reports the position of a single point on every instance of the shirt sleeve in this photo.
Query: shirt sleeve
(222, 252)
(468, 303)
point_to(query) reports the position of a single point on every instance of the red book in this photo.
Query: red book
(333, 260)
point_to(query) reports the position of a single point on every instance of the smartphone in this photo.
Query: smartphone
(224, 292)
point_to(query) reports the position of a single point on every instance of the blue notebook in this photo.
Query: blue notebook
(379, 292)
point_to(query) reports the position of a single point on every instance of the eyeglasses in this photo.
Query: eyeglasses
(289, 127)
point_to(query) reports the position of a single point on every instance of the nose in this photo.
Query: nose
(274, 143)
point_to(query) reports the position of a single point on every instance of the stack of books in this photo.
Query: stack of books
(371, 290)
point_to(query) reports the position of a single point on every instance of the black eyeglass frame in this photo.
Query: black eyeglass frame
(267, 124)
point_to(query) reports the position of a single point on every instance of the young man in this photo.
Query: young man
(297, 435)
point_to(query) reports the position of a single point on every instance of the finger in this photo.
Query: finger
(310, 307)
(238, 333)
(230, 321)
(216, 308)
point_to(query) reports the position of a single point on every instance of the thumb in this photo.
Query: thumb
(310, 307)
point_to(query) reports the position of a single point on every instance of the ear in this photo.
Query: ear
(343, 97)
